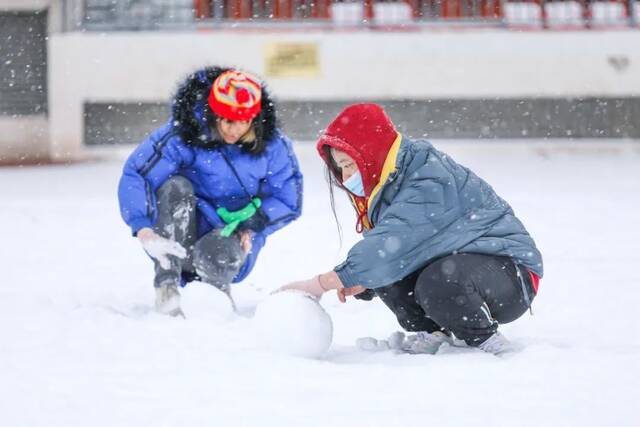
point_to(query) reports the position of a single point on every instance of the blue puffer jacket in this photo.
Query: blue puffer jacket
(222, 175)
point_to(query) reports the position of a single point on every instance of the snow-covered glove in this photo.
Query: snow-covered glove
(394, 342)
(160, 248)
(311, 286)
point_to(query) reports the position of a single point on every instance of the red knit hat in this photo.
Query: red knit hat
(366, 134)
(236, 96)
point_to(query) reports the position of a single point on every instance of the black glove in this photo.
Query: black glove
(367, 295)
(256, 223)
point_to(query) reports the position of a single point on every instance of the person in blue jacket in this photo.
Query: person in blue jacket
(440, 248)
(203, 191)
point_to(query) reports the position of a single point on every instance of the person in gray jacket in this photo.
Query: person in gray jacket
(440, 248)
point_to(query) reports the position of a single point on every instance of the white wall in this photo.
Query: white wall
(25, 5)
(353, 65)
(24, 139)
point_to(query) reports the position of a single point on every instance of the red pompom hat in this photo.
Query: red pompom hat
(366, 134)
(236, 96)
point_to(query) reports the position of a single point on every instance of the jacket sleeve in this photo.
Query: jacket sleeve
(154, 161)
(394, 248)
(281, 190)
(209, 212)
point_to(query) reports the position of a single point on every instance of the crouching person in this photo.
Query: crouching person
(203, 192)
(440, 248)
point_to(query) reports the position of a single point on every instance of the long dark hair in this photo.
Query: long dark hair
(331, 171)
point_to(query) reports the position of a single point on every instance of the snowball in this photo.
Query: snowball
(294, 323)
(203, 301)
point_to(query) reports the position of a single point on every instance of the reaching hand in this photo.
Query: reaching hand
(322, 283)
(343, 293)
(331, 280)
(311, 286)
(160, 248)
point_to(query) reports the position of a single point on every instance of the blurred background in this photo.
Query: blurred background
(77, 74)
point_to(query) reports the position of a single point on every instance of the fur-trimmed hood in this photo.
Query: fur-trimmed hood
(194, 120)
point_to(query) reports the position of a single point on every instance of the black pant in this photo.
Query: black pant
(212, 258)
(467, 294)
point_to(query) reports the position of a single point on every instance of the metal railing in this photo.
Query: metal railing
(110, 15)
(572, 14)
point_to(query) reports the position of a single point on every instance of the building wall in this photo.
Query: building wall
(426, 66)
(114, 87)
(538, 118)
(23, 81)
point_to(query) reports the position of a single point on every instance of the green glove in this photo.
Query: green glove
(233, 219)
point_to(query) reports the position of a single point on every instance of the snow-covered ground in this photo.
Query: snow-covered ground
(80, 346)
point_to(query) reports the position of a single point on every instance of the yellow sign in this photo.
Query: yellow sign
(292, 60)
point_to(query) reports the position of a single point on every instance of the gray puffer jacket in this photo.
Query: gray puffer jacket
(427, 208)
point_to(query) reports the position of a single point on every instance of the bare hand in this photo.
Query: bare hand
(311, 286)
(245, 240)
(331, 280)
(343, 293)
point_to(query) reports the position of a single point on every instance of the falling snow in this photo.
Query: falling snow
(78, 332)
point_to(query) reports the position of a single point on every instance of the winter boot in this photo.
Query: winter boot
(168, 300)
(497, 344)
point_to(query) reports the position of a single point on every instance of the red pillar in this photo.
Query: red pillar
(451, 8)
(320, 9)
(202, 8)
(239, 9)
(491, 9)
(368, 10)
(283, 9)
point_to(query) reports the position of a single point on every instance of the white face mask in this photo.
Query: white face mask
(354, 184)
